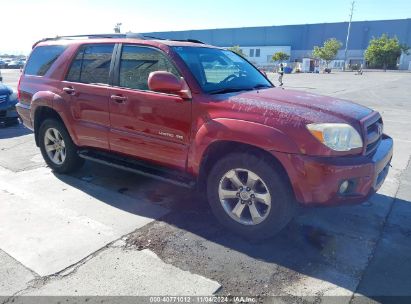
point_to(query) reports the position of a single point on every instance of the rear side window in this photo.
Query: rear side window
(42, 58)
(137, 63)
(92, 64)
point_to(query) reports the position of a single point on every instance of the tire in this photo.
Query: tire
(273, 185)
(63, 165)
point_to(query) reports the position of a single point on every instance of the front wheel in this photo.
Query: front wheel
(250, 196)
(57, 148)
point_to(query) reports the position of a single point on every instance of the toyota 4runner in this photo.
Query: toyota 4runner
(197, 115)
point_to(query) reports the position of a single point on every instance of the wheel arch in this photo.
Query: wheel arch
(227, 135)
(221, 148)
(42, 113)
(47, 104)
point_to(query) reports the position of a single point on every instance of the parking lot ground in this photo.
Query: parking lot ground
(10, 77)
(78, 230)
(129, 235)
(389, 264)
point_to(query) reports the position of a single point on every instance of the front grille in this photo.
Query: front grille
(373, 133)
(3, 98)
(3, 113)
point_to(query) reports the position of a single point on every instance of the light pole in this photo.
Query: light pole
(348, 35)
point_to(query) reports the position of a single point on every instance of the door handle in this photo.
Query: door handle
(69, 90)
(118, 98)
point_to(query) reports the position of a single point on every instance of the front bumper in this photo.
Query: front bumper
(317, 180)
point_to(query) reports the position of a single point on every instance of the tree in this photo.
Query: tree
(236, 49)
(328, 51)
(383, 52)
(280, 56)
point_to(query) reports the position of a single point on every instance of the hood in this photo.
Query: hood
(280, 106)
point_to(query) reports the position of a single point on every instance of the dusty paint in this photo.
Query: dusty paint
(294, 108)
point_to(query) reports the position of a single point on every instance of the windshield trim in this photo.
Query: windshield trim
(210, 92)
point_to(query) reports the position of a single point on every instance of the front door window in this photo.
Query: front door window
(137, 63)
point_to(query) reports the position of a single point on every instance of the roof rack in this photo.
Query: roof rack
(180, 40)
(99, 36)
(189, 40)
(91, 36)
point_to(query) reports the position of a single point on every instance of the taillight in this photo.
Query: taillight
(18, 88)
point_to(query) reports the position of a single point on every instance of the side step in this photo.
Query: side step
(129, 164)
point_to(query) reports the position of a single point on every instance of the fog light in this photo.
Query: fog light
(344, 187)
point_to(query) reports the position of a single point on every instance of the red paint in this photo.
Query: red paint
(175, 131)
(164, 82)
(18, 87)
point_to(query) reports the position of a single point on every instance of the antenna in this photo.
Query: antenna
(348, 35)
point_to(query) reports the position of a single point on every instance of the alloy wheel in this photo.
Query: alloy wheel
(244, 196)
(55, 146)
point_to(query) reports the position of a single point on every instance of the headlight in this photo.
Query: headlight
(336, 136)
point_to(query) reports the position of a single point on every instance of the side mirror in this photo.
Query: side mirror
(166, 82)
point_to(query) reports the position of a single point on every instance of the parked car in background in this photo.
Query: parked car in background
(8, 101)
(3, 64)
(196, 115)
(16, 64)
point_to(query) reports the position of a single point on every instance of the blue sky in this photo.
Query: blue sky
(35, 19)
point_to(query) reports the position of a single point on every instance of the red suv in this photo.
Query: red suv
(197, 115)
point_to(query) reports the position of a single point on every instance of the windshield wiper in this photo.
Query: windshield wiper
(229, 90)
(261, 86)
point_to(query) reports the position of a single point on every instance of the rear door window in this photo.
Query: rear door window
(138, 62)
(42, 58)
(92, 64)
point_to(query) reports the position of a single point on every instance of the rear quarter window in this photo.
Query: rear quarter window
(42, 58)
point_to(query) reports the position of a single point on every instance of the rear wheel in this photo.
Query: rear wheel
(57, 148)
(250, 196)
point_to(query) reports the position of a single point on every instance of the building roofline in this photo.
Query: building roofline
(277, 26)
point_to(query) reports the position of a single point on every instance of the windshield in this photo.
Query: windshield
(221, 71)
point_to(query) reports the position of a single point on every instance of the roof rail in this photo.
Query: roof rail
(181, 40)
(126, 35)
(91, 36)
(190, 40)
